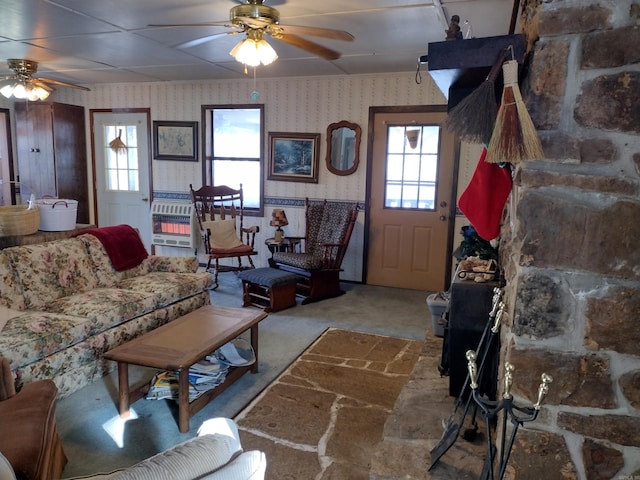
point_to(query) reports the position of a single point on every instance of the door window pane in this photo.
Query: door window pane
(122, 173)
(412, 166)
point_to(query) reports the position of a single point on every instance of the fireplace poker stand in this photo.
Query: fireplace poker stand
(453, 425)
(517, 415)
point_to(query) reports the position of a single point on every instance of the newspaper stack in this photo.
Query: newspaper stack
(207, 373)
(203, 376)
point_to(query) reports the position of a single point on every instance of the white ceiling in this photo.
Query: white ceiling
(109, 41)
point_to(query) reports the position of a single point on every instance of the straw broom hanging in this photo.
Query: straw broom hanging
(474, 117)
(117, 145)
(514, 138)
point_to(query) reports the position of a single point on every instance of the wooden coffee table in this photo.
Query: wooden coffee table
(179, 344)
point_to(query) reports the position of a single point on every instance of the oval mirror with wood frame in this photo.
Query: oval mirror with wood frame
(343, 147)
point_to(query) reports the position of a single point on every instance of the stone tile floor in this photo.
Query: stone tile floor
(416, 426)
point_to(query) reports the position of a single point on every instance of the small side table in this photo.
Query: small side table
(285, 245)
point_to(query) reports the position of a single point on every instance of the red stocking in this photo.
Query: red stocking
(483, 200)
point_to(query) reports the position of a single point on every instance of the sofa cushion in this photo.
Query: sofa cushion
(223, 233)
(7, 314)
(168, 287)
(103, 269)
(52, 270)
(306, 261)
(123, 245)
(32, 336)
(105, 307)
(160, 263)
(186, 461)
(10, 288)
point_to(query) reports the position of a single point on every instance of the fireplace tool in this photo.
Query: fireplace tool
(510, 412)
(452, 427)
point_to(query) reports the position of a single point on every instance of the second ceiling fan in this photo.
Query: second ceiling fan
(257, 20)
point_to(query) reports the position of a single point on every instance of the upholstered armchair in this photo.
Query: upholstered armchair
(29, 439)
(328, 229)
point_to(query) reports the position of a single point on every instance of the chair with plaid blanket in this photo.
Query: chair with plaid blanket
(328, 229)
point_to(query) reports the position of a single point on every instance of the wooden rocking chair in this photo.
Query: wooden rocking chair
(220, 213)
(328, 229)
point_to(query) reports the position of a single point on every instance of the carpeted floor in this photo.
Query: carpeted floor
(96, 440)
(325, 415)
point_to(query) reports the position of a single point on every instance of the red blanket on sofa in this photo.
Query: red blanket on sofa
(122, 243)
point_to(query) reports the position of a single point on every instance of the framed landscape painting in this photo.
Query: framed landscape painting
(293, 157)
(175, 141)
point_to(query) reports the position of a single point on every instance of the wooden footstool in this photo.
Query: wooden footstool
(268, 288)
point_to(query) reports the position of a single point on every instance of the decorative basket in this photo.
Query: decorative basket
(18, 220)
(57, 215)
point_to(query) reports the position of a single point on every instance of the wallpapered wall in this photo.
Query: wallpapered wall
(307, 105)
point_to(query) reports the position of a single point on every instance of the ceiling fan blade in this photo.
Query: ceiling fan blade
(201, 24)
(199, 41)
(252, 22)
(63, 84)
(308, 46)
(315, 32)
(38, 83)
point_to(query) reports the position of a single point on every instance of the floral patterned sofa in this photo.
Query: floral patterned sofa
(63, 304)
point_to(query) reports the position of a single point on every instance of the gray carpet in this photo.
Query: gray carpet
(95, 440)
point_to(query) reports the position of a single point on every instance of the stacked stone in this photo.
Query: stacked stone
(571, 251)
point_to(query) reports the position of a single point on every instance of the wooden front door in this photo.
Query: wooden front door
(412, 206)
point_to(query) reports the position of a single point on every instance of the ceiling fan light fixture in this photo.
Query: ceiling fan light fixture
(22, 85)
(7, 90)
(266, 52)
(19, 91)
(38, 93)
(22, 90)
(254, 50)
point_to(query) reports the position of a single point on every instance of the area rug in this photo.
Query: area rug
(324, 416)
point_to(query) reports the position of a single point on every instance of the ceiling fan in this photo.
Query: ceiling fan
(23, 85)
(255, 20)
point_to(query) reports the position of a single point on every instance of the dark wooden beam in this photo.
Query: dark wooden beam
(460, 66)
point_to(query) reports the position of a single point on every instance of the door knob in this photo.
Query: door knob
(145, 199)
(443, 218)
(443, 204)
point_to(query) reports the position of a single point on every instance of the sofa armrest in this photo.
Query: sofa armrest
(158, 263)
(215, 449)
(6, 470)
(251, 465)
(191, 459)
(30, 440)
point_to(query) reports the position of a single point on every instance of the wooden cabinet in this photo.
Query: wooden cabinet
(52, 153)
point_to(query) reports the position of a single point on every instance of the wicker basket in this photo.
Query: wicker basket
(18, 220)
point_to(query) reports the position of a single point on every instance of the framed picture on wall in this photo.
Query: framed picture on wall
(293, 157)
(175, 141)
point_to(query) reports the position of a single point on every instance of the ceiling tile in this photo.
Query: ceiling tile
(93, 42)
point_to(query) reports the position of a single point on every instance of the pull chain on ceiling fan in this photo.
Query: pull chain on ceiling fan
(255, 19)
(22, 84)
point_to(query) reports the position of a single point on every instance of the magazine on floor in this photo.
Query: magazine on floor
(165, 384)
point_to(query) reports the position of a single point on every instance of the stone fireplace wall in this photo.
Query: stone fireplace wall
(571, 244)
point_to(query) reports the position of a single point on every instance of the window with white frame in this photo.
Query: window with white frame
(235, 139)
